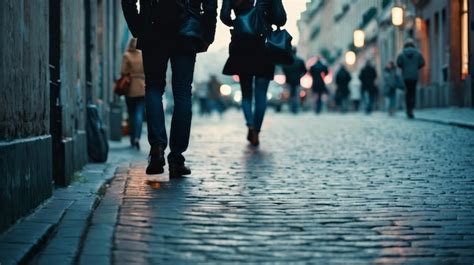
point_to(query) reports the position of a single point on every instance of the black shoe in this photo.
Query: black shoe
(177, 171)
(156, 161)
(410, 115)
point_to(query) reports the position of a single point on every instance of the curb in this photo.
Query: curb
(34, 235)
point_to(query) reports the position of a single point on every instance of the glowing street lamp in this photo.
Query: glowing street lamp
(397, 16)
(225, 90)
(350, 58)
(359, 38)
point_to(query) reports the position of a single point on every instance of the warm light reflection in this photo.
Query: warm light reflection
(280, 79)
(464, 40)
(359, 38)
(397, 16)
(153, 184)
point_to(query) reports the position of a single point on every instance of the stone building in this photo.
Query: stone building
(56, 56)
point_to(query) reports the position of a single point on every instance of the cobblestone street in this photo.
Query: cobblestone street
(330, 189)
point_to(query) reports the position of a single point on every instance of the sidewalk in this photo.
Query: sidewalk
(62, 220)
(461, 117)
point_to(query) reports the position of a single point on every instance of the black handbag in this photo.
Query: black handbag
(191, 32)
(278, 47)
(251, 23)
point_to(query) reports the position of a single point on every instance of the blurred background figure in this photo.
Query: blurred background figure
(294, 73)
(367, 77)
(202, 98)
(132, 66)
(318, 71)
(410, 62)
(355, 91)
(392, 81)
(214, 98)
(343, 78)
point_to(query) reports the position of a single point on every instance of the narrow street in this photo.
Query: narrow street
(331, 189)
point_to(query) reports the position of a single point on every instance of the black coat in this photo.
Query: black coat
(295, 71)
(247, 54)
(161, 20)
(367, 77)
(343, 77)
(317, 72)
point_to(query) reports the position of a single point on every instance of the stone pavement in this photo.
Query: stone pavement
(330, 189)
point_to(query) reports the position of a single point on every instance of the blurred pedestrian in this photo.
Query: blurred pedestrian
(367, 77)
(319, 71)
(343, 77)
(294, 73)
(248, 60)
(203, 99)
(355, 91)
(163, 38)
(392, 82)
(132, 66)
(410, 61)
(214, 95)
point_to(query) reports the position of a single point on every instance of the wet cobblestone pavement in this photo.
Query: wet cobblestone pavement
(328, 190)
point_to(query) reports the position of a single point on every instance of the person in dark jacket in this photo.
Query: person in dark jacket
(248, 60)
(294, 73)
(410, 62)
(367, 77)
(319, 72)
(392, 82)
(161, 38)
(343, 78)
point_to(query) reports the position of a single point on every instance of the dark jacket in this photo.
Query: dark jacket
(367, 77)
(317, 72)
(161, 20)
(343, 78)
(247, 54)
(410, 61)
(295, 71)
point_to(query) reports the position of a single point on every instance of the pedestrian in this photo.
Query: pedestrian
(319, 71)
(215, 98)
(410, 61)
(294, 72)
(343, 78)
(367, 77)
(162, 37)
(392, 82)
(248, 59)
(132, 66)
(355, 91)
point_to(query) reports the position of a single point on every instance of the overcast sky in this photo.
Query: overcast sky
(293, 9)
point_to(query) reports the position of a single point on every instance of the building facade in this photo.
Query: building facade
(56, 57)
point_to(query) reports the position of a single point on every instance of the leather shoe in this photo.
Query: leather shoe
(156, 161)
(177, 171)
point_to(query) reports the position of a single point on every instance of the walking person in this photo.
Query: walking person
(343, 78)
(367, 77)
(163, 36)
(391, 82)
(355, 92)
(132, 66)
(410, 61)
(248, 60)
(294, 73)
(319, 71)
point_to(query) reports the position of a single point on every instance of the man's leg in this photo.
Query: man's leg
(155, 62)
(410, 87)
(183, 71)
(261, 88)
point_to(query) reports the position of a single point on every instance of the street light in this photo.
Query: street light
(397, 16)
(350, 58)
(359, 38)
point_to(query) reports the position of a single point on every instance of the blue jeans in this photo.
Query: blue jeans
(136, 111)
(252, 119)
(155, 62)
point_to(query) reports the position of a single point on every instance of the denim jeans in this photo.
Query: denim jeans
(254, 119)
(155, 62)
(136, 111)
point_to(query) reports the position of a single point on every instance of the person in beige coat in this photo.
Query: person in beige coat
(132, 66)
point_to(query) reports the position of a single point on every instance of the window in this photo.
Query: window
(464, 40)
